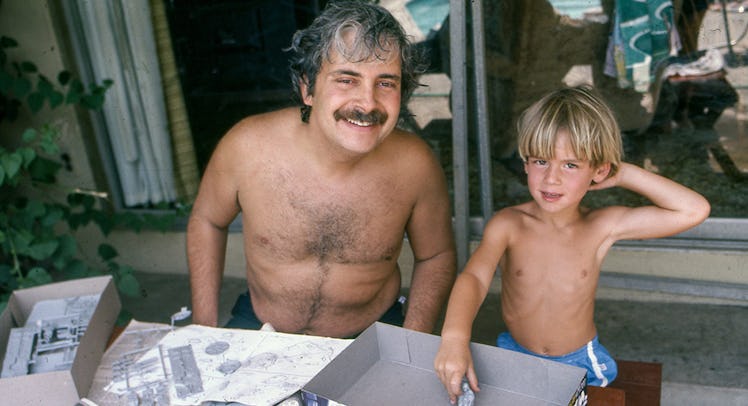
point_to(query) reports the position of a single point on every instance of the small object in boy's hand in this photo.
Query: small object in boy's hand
(468, 396)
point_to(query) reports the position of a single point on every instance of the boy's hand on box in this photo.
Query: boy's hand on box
(453, 362)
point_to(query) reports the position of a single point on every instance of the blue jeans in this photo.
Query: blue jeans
(243, 315)
(601, 367)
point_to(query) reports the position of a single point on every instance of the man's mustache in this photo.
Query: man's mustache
(374, 117)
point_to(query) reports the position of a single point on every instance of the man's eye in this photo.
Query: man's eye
(345, 81)
(388, 84)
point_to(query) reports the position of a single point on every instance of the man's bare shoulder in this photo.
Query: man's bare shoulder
(263, 126)
(410, 150)
(257, 133)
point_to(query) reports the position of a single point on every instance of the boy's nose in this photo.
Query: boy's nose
(553, 175)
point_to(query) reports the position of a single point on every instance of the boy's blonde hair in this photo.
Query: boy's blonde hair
(593, 130)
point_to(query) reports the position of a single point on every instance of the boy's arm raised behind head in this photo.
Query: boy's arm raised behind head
(675, 208)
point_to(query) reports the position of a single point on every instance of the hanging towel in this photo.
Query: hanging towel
(643, 36)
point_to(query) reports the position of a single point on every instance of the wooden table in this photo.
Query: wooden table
(638, 384)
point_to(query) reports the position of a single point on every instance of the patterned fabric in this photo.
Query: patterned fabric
(643, 37)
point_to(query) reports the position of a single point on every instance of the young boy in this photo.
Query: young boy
(550, 249)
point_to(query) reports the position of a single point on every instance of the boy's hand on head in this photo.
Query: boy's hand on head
(453, 362)
(611, 181)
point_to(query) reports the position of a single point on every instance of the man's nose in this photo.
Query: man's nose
(366, 98)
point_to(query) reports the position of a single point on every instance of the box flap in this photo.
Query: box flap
(357, 361)
(61, 387)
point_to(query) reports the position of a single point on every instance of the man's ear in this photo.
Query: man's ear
(601, 172)
(306, 96)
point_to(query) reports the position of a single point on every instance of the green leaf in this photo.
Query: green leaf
(43, 250)
(76, 220)
(7, 42)
(104, 220)
(44, 85)
(75, 92)
(22, 240)
(29, 135)
(43, 169)
(52, 217)
(93, 101)
(64, 77)
(35, 208)
(36, 101)
(27, 154)
(76, 269)
(2, 175)
(128, 284)
(48, 140)
(55, 99)
(66, 251)
(6, 274)
(11, 163)
(37, 276)
(28, 67)
(107, 252)
(88, 201)
(6, 82)
(21, 87)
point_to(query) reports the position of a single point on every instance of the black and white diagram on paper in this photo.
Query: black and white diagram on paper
(227, 365)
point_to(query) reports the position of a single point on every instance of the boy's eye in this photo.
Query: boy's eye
(539, 161)
(571, 165)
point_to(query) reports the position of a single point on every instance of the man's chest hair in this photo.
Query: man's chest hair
(331, 230)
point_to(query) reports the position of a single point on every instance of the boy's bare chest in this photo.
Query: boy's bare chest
(535, 258)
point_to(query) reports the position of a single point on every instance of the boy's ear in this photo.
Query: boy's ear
(601, 172)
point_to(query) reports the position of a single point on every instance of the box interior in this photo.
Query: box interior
(391, 365)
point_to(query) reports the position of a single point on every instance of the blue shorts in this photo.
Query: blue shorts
(601, 367)
(243, 315)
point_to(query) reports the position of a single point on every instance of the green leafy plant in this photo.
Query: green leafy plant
(37, 215)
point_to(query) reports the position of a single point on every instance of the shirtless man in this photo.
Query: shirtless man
(550, 249)
(326, 196)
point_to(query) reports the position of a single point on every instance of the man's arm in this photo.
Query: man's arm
(206, 247)
(675, 208)
(207, 231)
(431, 238)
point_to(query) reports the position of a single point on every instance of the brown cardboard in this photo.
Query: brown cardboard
(388, 365)
(60, 387)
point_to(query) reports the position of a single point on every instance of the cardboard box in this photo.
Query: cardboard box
(388, 365)
(68, 386)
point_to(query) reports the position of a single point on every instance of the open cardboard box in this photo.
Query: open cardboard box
(65, 387)
(389, 365)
